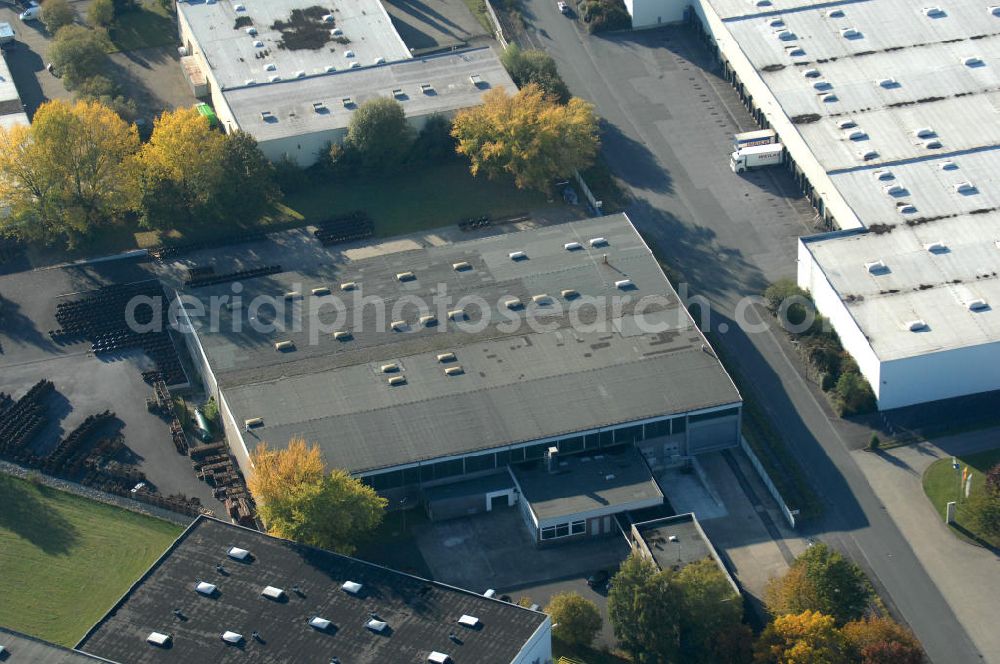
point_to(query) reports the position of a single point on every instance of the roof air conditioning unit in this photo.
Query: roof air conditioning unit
(856, 135)
(293, 295)
(274, 79)
(392, 367)
(978, 305)
(284, 345)
(468, 621)
(446, 357)
(457, 314)
(829, 98)
(876, 267)
(397, 380)
(811, 73)
(329, 69)
(300, 74)
(598, 241)
(405, 276)
(517, 255)
(916, 325)
(883, 175)
(250, 81)
(835, 13)
(887, 83)
(907, 208)
(822, 85)
(270, 66)
(849, 33)
(894, 189)
(933, 12)
(785, 35)
(570, 293)
(776, 23)
(349, 285)
(995, 11)
(949, 166)
(158, 639)
(428, 321)
(379, 60)
(205, 588)
(348, 54)
(236, 553)
(336, 32)
(319, 623)
(572, 246)
(512, 303)
(258, 44)
(624, 284)
(924, 132)
(868, 155)
(453, 371)
(355, 65)
(252, 31)
(328, 18)
(352, 587)
(972, 61)
(271, 592)
(438, 658)
(426, 88)
(399, 325)
(932, 144)
(476, 80)
(847, 124)
(936, 247)
(795, 51)
(232, 637)
(461, 266)
(342, 335)
(377, 626)
(541, 298)
(239, 8)
(252, 422)
(965, 188)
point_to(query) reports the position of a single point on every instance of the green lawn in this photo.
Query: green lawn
(65, 560)
(941, 484)
(146, 26)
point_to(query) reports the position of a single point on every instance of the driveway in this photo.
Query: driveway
(669, 120)
(968, 575)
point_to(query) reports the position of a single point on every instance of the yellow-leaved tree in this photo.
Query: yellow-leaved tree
(299, 500)
(66, 173)
(528, 135)
(809, 637)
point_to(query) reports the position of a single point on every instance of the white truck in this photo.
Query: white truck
(6, 34)
(756, 156)
(751, 138)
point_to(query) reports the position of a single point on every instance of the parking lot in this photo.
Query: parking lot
(433, 24)
(86, 384)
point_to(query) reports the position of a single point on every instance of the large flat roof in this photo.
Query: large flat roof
(237, 57)
(563, 372)
(20, 648)
(917, 90)
(11, 110)
(581, 484)
(292, 104)
(420, 614)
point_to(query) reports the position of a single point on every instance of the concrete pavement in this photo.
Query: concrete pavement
(668, 125)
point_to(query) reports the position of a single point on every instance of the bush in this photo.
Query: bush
(874, 444)
(780, 291)
(434, 142)
(985, 510)
(211, 410)
(534, 66)
(101, 13)
(380, 135)
(853, 395)
(78, 55)
(576, 620)
(56, 14)
(290, 177)
(601, 15)
(993, 480)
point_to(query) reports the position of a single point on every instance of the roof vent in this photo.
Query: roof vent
(268, 116)
(355, 65)
(428, 320)
(847, 124)
(379, 60)
(624, 284)
(347, 102)
(995, 11)
(468, 621)
(598, 241)
(377, 626)
(932, 144)
(397, 380)
(319, 623)
(541, 298)
(572, 246)
(252, 422)
(349, 285)
(933, 12)
(887, 83)
(835, 13)
(517, 255)
(476, 80)
(293, 295)
(321, 290)
(300, 74)
(271, 592)
(972, 61)
(829, 98)
(236, 553)
(924, 132)
(936, 247)
(342, 335)
(439, 658)
(461, 266)
(454, 371)
(884, 175)
(258, 44)
(158, 639)
(916, 325)
(446, 357)
(398, 93)
(392, 367)
(427, 88)
(336, 32)
(399, 325)
(978, 305)
(949, 166)
(239, 8)
(274, 79)
(876, 267)
(822, 85)
(965, 187)
(348, 54)
(252, 31)
(570, 293)
(270, 66)
(785, 35)
(811, 73)
(352, 587)
(849, 33)
(907, 208)
(284, 345)
(205, 588)
(512, 303)
(328, 18)
(868, 155)
(234, 638)
(405, 276)
(795, 51)
(894, 189)
(856, 135)
(776, 23)
(457, 314)
(329, 69)
(250, 81)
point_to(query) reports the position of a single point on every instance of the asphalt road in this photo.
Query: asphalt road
(668, 119)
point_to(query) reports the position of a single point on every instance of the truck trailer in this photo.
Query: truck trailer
(750, 138)
(756, 156)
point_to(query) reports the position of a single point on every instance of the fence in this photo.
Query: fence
(595, 204)
(766, 479)
(497, 27)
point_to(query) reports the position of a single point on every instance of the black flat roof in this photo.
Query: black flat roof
(421, 615)
(17, 648)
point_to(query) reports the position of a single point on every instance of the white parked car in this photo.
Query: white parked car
(563, 7)
(32, 13)
(141, 486)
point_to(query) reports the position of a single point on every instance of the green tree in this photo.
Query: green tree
(985, 510)
(178, 173)
(56, 14)
(853, 394)
(77, 54)
(247, 189)
(534, 66)
(66, 173)
(527, 136)
(379, 135)
(660, 617)
(434, 142)
(805, 638)
(297, 499)
(710, 606)
(881, 641)
(821, 580)
(625, 603)
(101, 13)
(576, 620)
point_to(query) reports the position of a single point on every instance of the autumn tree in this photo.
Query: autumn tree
(178, 171)
(66, 173)
(535, 66)
(527, 136)
(77, 54)
(56, 14)
(101, 13)
(576, 621)
(644, 607)
(379, 135)
(710, 606)
(299, 500)
(822, 580)
(881, 641)
(805, 638)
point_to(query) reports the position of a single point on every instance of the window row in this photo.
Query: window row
(564, 530)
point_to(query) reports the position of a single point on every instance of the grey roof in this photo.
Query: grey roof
(519, 384)
(420, 613)
(23, 649)
(690, 543)
(607, 482)
(292, 103)
(234, 58)
(923, 89)
(11, 110)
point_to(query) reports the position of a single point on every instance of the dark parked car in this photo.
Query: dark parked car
(598, 579)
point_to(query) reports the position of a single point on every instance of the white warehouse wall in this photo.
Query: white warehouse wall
(651, 13)
(538, 649)
(950, 373)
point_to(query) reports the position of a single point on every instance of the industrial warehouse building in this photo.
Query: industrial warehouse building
(438, 405)
(292, 75)
(223, 593)
(888, 111)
